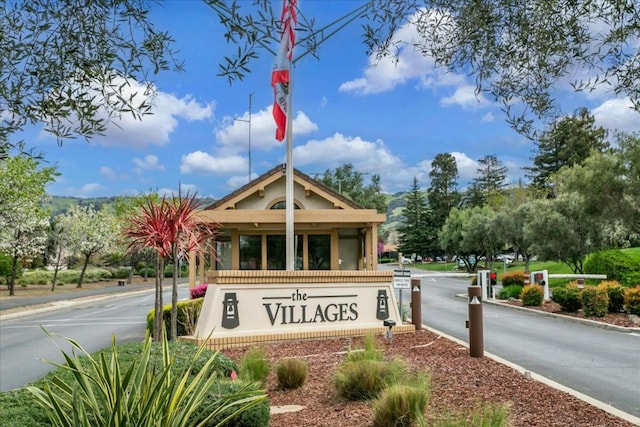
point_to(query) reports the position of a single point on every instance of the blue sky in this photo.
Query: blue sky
(389, 119)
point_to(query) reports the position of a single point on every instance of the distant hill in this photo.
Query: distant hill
(395, 205)
(60, 204)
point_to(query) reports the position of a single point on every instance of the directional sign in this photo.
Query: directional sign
(402, 279)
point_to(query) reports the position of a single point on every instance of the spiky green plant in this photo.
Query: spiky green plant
(103, 393)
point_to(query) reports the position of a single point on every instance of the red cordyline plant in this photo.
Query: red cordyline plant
(170, 227)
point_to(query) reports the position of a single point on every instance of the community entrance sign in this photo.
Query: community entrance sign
(241, 313)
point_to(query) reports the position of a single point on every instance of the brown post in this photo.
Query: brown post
(416, 304)
(476, 340)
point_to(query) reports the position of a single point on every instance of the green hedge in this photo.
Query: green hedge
(188, 312)
(616, 264)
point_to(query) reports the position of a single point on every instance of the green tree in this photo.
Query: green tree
(517, 51)
(23, 222)
(416, 233)
(443, 194)
(490, 181)
(73, 64)
(511, 222)
(350, 183)
(568, 142)
(559, 229)
(88, 232)
(465, 234)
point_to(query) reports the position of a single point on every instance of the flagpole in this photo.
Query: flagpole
(289, 194)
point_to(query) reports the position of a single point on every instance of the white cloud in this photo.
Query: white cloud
(155, 128)
(87, 190)
(617, 114)
(465, 96)
(385, 74)
(108, 173)
(333, 151)
(238, 181)
(201, 163)
(466, 166)
(150, 162)
(488, 118)
(232, 136)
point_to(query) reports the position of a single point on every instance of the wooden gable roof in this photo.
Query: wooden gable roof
(258, 185)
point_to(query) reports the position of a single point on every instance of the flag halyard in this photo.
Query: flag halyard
(280, 76)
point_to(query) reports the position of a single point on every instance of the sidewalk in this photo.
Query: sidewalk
(11, 305)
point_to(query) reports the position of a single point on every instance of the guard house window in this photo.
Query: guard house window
(251, 252)
(282, 204)
(277, 252)
(319, 252)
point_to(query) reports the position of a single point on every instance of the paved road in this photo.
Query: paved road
(600, 363)
(23, 344)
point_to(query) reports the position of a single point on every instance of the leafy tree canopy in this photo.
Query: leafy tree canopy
(517, 51)
(350, 183)
(73, 64)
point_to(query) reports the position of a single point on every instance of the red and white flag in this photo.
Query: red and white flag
(280, 77)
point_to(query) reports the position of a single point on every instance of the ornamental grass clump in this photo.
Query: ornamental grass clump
(254, 367)
(292, 373)
(403, 404)
(595, 302)
(369, 352)
(365, 379)
(532, 295)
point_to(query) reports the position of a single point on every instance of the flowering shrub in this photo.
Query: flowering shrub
(595, 301)
(512, 278)
(615, 291)
(632, 300)
(532, 295)
(198, 291)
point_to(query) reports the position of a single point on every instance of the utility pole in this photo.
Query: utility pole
(248, 121)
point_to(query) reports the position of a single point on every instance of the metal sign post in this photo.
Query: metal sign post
(401, 280)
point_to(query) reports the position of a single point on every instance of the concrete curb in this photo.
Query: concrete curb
(537, 377)
(561, 316)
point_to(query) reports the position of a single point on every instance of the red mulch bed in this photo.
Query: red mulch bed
(459, 383)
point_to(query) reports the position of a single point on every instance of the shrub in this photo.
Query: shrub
(632, 300)
(255, 416)
(198, 291)
(568, 297)
(120, 273)
(253, 366)
(532, 295)
(401, 405)
(365, 379)
(369, 352)
(151, 272)
(631, 278)
(91, 394)
(188, 313)
(615, 292)
(595, 302)
(511, 291)
(292, 373)
(614, 263)
(512, 278)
